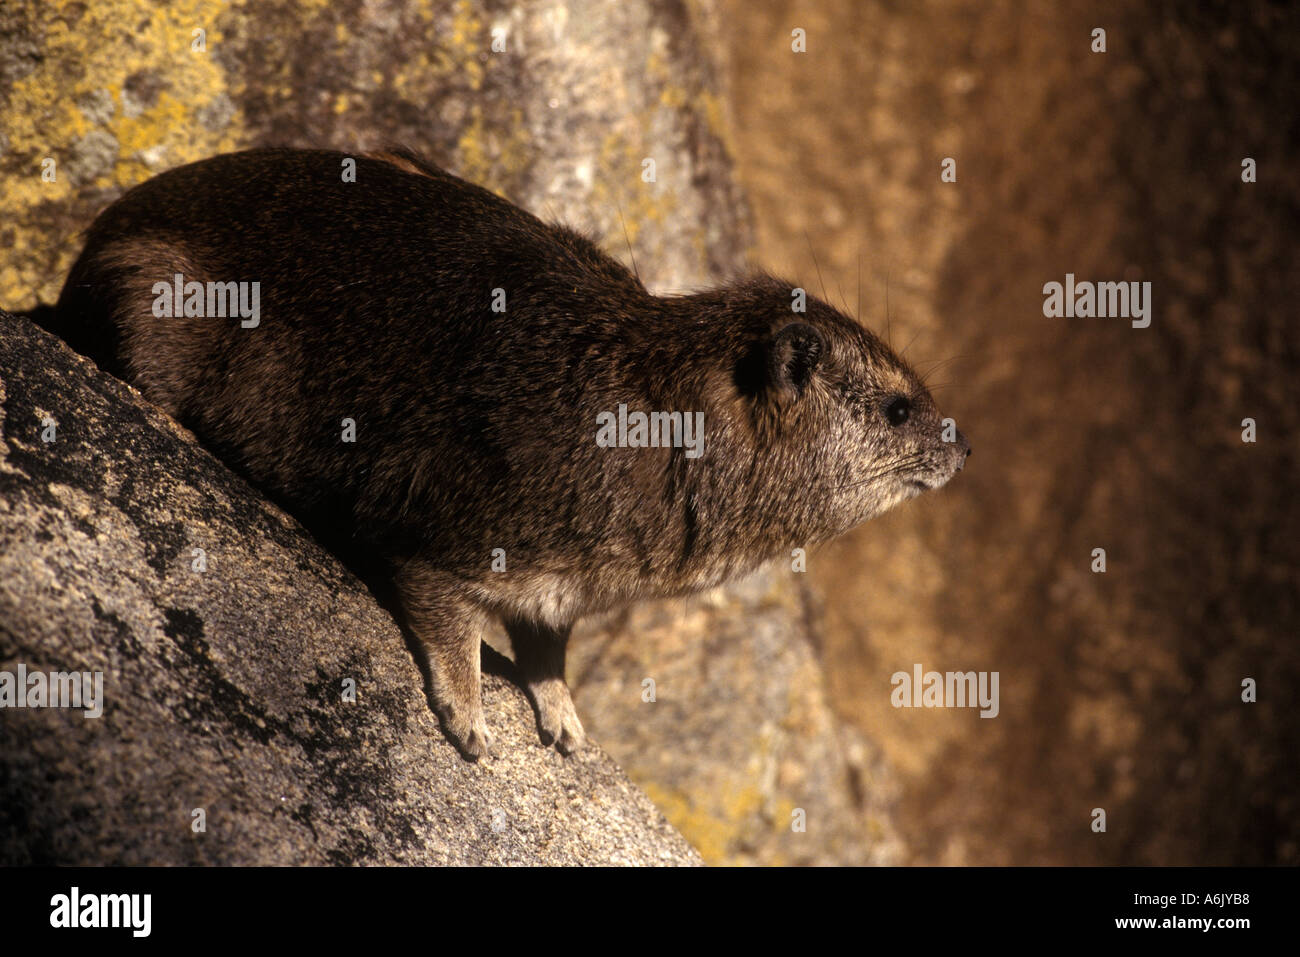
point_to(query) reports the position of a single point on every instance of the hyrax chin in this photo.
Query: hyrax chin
(488, 407)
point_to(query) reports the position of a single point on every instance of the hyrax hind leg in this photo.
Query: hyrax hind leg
(539, 655)
(449, 628)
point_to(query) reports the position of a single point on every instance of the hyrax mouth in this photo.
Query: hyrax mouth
(935, 475)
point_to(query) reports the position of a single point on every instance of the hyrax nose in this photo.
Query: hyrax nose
(963, 450)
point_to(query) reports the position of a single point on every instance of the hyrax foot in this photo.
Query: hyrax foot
(557, 719)
(449, 628)
(469, 734)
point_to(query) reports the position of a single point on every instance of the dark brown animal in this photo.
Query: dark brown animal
(477, 351)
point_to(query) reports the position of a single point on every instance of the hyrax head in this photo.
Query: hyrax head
(841, 423)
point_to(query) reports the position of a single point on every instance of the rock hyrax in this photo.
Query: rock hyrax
(490, 408)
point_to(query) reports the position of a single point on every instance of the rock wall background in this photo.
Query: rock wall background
(1121, 690)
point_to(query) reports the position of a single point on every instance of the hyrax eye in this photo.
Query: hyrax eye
(898, 410)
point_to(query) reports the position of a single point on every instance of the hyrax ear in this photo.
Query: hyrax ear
(792, 358)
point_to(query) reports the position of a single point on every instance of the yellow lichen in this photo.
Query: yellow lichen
(45, 118)
(493, 155)
(712, 826)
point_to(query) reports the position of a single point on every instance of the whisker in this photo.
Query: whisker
(858, 314)
(903, 354)
(930, 386)
(875, 477)
(937, 364)
(839, 288)
(816, 265)
(628, 240)
(889, 329)
(881, 472)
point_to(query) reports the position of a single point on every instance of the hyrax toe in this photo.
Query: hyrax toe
(572, 738)
(478, 744)
(557, 719)
(470, 735)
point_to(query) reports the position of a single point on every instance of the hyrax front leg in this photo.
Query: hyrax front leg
(449, 628)
(539, 656)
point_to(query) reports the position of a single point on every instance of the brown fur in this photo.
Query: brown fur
(476, 429)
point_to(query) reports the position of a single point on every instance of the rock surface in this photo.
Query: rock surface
(224, 687)
(740, 746)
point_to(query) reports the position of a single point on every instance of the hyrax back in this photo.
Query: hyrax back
(429, 375)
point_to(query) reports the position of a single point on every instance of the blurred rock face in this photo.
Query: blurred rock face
(559, 106)
(1120, 690)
